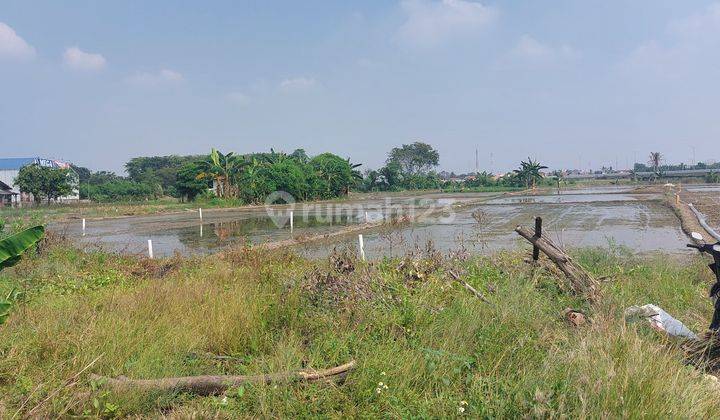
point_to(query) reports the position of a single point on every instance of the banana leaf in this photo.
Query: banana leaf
(12, 247)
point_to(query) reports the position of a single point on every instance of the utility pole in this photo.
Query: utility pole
(477, 162)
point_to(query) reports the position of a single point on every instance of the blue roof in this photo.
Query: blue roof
(15, 163)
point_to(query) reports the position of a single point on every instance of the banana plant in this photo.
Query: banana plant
(11, 249)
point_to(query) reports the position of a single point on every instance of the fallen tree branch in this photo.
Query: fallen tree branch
(211, 385)
(581, 282)
(467, 286)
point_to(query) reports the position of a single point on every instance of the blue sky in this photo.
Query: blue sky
(570, 83)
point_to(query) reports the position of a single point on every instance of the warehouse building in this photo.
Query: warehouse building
(10, 167)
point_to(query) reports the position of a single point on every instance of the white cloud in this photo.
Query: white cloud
(162, 77)
(689, 45)
(529, 48)
(77, 59)
(238, 98)
(429, 23)
(12, 46)
(297, 84)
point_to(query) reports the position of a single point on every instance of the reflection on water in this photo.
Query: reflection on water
(580, 220)
(641, 226)
(564, 198)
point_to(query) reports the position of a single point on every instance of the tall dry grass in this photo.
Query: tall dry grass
(438, 351)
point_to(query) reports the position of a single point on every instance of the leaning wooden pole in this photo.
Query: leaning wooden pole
(581, 282)
(212, 385)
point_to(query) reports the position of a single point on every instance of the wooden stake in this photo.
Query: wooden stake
(538, 234)
(362, 247)
(581, 282)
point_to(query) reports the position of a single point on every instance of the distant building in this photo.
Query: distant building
(9, 169)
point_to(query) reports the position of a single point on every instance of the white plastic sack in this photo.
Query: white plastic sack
(659, 320)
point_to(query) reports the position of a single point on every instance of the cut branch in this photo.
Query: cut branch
(581, 282)
(467, 286)
(211, 385)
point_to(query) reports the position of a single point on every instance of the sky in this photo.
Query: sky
(575, 84)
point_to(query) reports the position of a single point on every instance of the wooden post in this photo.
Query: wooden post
(362, 247)
(538, 234)
(150, 249)
(581, 282)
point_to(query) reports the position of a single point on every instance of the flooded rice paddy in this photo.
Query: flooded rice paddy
(476, 222)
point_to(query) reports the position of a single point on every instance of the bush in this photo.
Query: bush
(117, 190)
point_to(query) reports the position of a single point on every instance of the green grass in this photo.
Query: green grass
(433, 344)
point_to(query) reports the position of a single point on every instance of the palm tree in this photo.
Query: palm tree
(529, 172)
(223, 169)
(356, 174)
(655, 161)
(558, 177)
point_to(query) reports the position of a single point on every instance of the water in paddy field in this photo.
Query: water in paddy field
(571, 220)
(641, 226)
(703, 188)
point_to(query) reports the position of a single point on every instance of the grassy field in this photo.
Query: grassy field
(437, 350)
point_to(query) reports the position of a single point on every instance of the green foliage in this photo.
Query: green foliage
(158, 171)
(335, 172)
(419, 353)
(414, 158)
(117, 190)
(712, 178)
(188, 185)
(11, 249)
(529, 172)
(45, 182)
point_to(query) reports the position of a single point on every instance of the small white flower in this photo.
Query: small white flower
(382, 373)
(463, 403)
(224, 401)
(378, 390)
(461, 410)
(380, 384)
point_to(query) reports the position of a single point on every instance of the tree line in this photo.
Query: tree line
(250, 178)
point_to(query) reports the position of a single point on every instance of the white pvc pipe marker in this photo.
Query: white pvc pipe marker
(292, 221)
(366, 217)
(362, 247)
(200, 211)
(83, 232)
(150, 250)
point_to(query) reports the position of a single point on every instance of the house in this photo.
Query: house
(9, 169)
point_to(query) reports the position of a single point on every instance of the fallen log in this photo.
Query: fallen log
(212, 385)
(581, 282)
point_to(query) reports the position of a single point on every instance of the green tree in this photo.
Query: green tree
(335, 171)
(529, 172)
(44, 182)
(187, 183)
(391, 176)
(414, 158)
(224, 169)
(655, 161)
